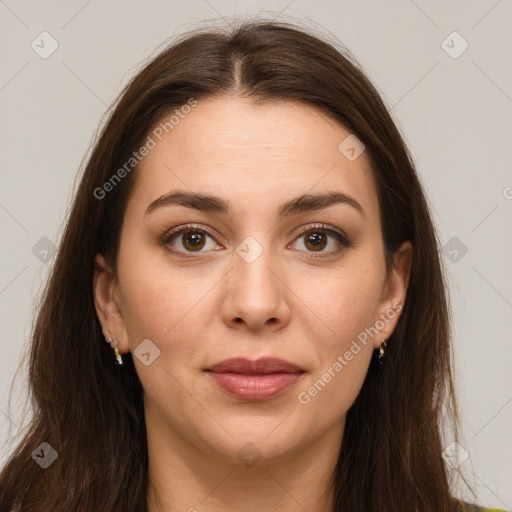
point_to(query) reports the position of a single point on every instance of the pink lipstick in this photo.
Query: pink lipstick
(255, 380)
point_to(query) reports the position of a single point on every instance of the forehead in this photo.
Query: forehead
(263, 152)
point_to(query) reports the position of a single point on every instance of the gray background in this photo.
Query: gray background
(455, 114)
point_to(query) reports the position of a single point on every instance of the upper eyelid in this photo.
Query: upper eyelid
(304, 229)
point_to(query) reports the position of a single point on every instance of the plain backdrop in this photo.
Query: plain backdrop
(444, 70)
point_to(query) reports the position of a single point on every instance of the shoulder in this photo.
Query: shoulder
(469, 507)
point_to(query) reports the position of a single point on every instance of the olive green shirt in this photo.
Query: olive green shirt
(468, 507)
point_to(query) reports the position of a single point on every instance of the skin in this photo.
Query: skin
(215, 305)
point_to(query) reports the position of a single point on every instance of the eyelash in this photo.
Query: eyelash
(324, 228)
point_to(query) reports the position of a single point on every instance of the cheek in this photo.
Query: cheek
(332, 390)
(343, 304)
(158, 301)
(345, 307)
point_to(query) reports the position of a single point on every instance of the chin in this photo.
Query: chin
(250, 440)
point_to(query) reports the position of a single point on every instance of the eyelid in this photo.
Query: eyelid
(343, 238)
(166, 238)
(324, 227)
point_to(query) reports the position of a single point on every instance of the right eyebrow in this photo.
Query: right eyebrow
(202, 202)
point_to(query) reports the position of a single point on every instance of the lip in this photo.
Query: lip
(264, 365)
(257, 380)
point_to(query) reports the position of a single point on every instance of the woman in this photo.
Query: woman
(253, 244)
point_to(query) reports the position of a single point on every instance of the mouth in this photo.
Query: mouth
(255, 380)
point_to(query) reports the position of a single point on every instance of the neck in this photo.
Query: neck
(184, 477)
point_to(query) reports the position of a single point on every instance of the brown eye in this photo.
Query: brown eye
(322, 240)
(193, 240)
(188, 239)
(316, 241)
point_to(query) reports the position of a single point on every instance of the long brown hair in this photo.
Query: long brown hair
(90, 411)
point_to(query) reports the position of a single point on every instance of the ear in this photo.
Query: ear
(394, 293)
(108, 303)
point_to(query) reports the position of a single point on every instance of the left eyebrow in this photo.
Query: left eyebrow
(209, 203)
(310, 203)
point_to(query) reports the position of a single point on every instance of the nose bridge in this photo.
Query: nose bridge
(252, 275)
(257, 295)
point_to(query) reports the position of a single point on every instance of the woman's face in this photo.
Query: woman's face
(258, 273)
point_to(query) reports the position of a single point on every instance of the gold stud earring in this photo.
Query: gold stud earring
(109, 340)
(381, 351)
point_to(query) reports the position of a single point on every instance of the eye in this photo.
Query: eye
(322, 239)
(189, 239)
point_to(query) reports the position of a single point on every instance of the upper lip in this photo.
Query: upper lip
(265, 365)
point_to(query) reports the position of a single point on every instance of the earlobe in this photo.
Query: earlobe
(395, 291)
(106, 301)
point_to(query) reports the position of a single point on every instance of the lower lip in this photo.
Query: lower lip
(255, 387)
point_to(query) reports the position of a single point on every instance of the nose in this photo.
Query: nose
(256, 295)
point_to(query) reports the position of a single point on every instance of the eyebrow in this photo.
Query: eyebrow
(209, 203)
